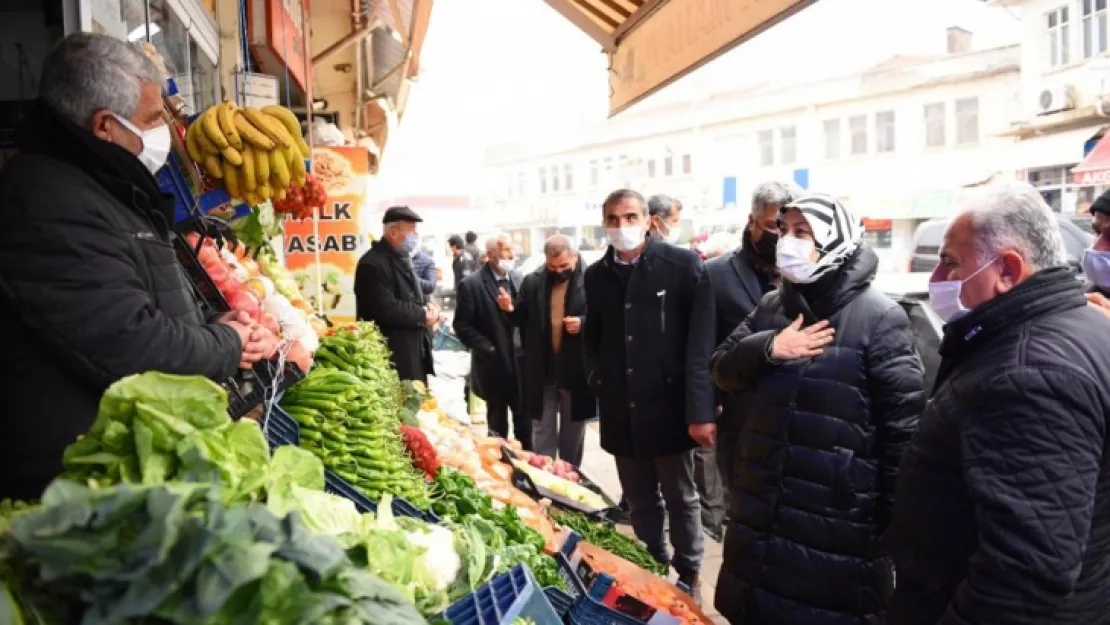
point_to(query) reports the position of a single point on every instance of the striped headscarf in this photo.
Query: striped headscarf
(836, 230)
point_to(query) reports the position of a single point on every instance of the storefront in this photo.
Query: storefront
(1051, 163)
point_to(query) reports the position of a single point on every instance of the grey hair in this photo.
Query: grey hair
(662, 206)
(86, 73)
(556, 244)
(497, 239)
(774, 194)
(1014, 216)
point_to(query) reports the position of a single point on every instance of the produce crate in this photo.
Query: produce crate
(400, 507)
(523, 482)
(560, 601)
(172, 179)
(280, 428)
(248, 389)
(588, 591)
(511, 595)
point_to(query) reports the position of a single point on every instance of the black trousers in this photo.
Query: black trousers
(497, 415)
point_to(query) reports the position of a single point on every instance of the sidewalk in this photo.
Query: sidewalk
(600, 467)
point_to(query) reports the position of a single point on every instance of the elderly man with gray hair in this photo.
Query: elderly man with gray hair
(1002, 508)
(729, 289)
(549, 310)
(90, 288)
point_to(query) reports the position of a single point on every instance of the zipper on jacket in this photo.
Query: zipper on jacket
(662, 295)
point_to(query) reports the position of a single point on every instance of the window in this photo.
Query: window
(687, 163)
(885, 131)
(1094, 28)
(857, 128)
(935, 136)
(608, 175)
(568, 174)
(789, 145)
(967, 121)
(543, 180)
(520, 184)
(1057, 29)
(832, 138)
(668, 165)
(766, 148)
(651, 168)
(205, 79)
(593, 173)
(554, 178)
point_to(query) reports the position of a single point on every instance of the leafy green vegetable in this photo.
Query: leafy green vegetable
(176, 554)
(256, 229)
(610, 539)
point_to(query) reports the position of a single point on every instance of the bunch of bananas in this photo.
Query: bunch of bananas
(257, 154)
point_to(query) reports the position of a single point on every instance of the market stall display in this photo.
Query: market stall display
(606, 536)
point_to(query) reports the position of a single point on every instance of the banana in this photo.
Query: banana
(207, 148)
(279, 194)
(265, 192)
(298, 171)
(252, 133)
(249, 182)
(279, 170)
(212, 166)
(211, 128)
(191, 144)
(231, 180)
(252, 198)
(269, 126)
(224, 115)
(233, 156)
(261, 165)
(289, 120)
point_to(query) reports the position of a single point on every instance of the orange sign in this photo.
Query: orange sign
(323, 253)
(681, 36)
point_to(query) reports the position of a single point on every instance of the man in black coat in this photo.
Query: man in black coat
(90, 288)
(640, 297)
(549, 310)
(729, 289)
(1002, 508)
(388, 293)
(495, 347)
(463, 263)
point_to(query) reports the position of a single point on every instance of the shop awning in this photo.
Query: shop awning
(652, 43)
(1095, 168)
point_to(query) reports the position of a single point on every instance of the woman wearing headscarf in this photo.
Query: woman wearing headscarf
(1096, 260)
(828, 367)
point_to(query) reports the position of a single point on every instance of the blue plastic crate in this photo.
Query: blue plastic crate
(587, 608)
(172, 180)
(560, 601)
(511, 595)
(280, 428)
(400, 507)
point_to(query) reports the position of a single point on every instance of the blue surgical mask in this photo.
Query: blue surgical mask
(409, 245)
(1096, 266)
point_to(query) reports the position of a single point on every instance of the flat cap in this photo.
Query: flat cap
(400, 213)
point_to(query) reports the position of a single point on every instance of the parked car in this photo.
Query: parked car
(911, 291)
(1076, 230)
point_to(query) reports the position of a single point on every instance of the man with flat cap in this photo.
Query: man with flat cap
(388, 293)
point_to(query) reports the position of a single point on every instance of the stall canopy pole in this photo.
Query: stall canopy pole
(308, 99)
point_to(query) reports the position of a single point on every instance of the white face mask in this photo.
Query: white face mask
(156, 143)
(792, 257)
(625, 239)
(505, 265)
(1096, 266)
(672, 234)
(944, 297)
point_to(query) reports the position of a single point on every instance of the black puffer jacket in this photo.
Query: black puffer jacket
(90, 292)
(818, 458)
(1003, 500)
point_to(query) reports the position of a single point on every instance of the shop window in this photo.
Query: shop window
(1094, 28)
(1057, 33)
(568, 175)
(172, 41)
(651, 168)
(687, 164)
(857, 128)
(967, 121)
(543, 180)
(668, 165)
(885, 131)
(608, 174)
(593, 173)
(766, 148)
(935, 136)
(555, 178)
(789, 139)
(832, 138)
(123, 19)
(877, 232)
(206, 79)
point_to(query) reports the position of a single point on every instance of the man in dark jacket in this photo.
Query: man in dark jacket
(1002, 511)
(549, 310)
(424, 266)
(90, 288)
(495, 348)
(463, 263)
(388, 293)
(729, 288)
(640, 297)
(472, 247)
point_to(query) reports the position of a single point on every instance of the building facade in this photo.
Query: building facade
(901, 142)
